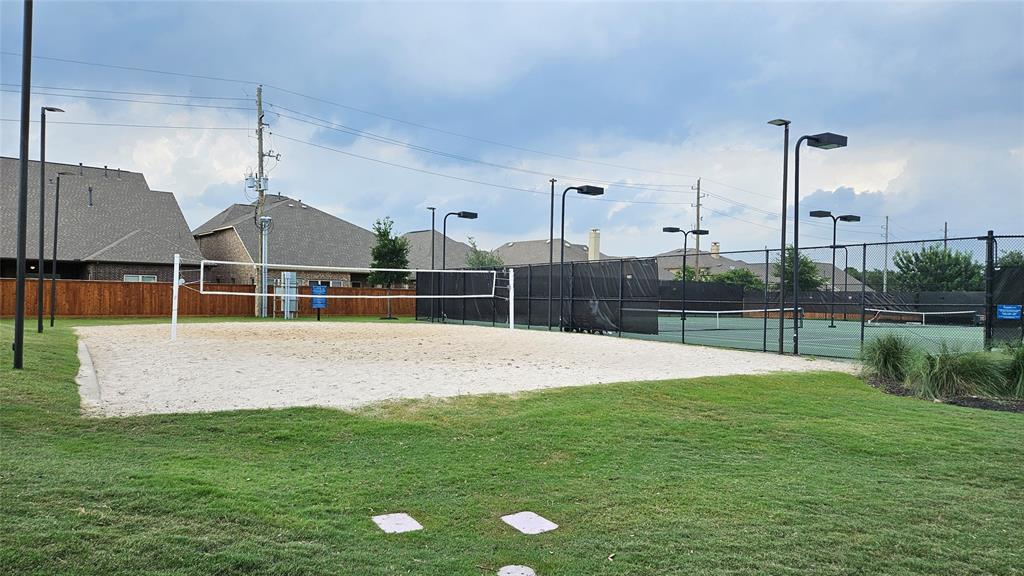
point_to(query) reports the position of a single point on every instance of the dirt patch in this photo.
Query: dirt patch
(998, 404)
(227, 366)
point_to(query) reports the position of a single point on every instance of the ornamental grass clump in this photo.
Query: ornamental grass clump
(888, 357)
(949, 373)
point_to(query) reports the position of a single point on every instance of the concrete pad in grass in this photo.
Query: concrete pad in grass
(397, 523)
(516, 570)
(529, 522)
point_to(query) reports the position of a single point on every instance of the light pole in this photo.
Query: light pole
(53, 260)
(835, 221)
(551, 251)
(433, 240)
(586, 191)
(444, 245)
(825, 141)
(682, 302)
(42, 210)
(782, 246)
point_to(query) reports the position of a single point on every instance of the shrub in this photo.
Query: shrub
(1015, 370)
(950, 373)
(888, 357)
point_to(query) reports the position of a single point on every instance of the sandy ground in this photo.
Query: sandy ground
(135, 369)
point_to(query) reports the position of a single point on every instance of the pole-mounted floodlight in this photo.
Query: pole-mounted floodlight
(444, 244)
(835, 220)
(42, 210)
(686, 236)
(782, 246)
(586, 190)
(824, 141)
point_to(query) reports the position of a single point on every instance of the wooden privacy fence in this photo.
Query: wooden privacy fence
(111, 298)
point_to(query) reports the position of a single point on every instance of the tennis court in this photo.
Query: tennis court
(755, 330)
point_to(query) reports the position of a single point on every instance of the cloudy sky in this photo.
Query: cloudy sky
(387, 108)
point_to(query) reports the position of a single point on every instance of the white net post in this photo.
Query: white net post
(174, 297)
(511, 299)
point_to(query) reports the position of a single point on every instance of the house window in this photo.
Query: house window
(140, 277)
(338, 283)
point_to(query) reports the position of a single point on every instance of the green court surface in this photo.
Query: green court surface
(817, 337)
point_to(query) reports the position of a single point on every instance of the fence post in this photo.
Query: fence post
(863, 291)
(572, 285)
(529, 300)
(622, 280)
(174, 298)
(764, 343)
(990, 253)
(512, 298)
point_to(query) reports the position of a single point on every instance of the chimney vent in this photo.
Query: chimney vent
(118, 173)
(716, 250)
(104, 170)
(594, 245)
(90, 196)
(79, 168)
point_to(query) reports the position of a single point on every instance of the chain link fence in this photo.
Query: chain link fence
(962, 293)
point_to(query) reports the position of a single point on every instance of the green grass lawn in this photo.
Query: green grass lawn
(783, 474)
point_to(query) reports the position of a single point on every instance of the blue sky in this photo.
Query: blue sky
(645, 96)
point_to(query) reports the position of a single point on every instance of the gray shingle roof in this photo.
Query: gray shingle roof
(419, 250)
(300, 234)
(127, 222)
(523, 252)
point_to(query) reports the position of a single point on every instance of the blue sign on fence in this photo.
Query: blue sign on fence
(1008, 311)
(319, 303)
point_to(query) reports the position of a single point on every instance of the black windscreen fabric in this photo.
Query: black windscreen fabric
(1007, 289)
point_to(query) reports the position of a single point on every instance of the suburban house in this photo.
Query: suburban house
(111, 225)
(713, 263)
(298, 235)
(456, 253)
(524, 252)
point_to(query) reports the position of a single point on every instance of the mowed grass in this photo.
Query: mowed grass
(784, 474)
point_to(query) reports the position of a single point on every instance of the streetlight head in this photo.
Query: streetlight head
(779, 122)
(65, 173)
(51, 109)
(699, 232)
(671, 229)
(590, 190)
(466, 214)
(850, 218)
(820, 214)
(826, 141)
(431, 208)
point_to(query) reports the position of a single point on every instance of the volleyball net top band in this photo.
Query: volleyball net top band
(499, 284)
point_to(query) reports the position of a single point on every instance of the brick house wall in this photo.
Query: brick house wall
(226, 245)
(117, 271)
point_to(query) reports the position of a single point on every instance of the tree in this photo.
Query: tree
(390, 252)
(809, 278)
(481, 258)
(937, 268)
(691, 274)
(873, 278)
(742, 276)
(1014, 258)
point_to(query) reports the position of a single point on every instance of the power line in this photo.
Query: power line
(125, 92)
(460, 178)
(386, 117)
(186, 104)
(121, 125)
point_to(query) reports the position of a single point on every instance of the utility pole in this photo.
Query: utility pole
(885, 267)
(945, 235)
(261, 309)
(696, 265)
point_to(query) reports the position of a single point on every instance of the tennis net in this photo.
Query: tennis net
(885, 317)
(746, 319)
